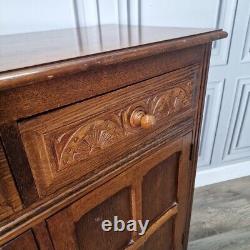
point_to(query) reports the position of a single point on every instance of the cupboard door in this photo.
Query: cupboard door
(156, 188)
(23, 242)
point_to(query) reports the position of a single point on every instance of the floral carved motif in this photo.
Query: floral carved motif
(86, 140)
(172, 101)
(90, 138)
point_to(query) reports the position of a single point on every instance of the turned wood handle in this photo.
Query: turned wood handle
(140, 119)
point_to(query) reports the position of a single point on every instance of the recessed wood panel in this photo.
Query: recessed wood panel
(162, 239)
(88, 229)
(159, 188)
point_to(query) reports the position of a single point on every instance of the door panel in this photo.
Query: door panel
(158, 240)
(156, 188)
(88, 227)
(159, 188)
(23, 242)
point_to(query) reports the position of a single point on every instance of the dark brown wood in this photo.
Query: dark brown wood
(64, 145)
(10, 201)
(68, 47)
(35, 98)
(88, 226)
(155, 231)
(196, 136)
(159, 188)
(22, 242)
(42, 236)
(95, 130)
(98, 205)
(159, 240)
(18, 163)
(52, 204)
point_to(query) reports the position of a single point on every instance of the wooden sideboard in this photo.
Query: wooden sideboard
(95, 123)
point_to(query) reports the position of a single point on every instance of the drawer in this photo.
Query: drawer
(96, 135)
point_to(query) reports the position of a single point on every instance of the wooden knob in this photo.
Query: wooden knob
(140, 119)
(147, 121)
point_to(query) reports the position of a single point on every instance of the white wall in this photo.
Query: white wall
(194, 13)
(21, 16)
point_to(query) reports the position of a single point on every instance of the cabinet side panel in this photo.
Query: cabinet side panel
(196, 136)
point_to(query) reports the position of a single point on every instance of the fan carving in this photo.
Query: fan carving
(85, 141)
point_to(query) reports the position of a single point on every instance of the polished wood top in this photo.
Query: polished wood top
(41, 49)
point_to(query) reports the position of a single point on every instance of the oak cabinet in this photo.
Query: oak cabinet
(103, 131)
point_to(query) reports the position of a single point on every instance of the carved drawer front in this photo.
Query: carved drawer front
(93, 137)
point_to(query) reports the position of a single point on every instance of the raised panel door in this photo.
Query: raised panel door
(156, 188)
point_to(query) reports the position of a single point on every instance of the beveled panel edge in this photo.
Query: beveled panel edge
(169, 214)
(18, 163)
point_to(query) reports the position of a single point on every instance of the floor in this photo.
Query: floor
(221, 216)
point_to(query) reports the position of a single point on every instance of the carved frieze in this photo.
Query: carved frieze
(89, 138)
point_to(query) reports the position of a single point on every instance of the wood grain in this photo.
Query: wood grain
(52, 204)
(78, 140)
(10, 201)
(235, 239)
(153, 228)
(158, 240)
(105, 194)
(23, 242)
(222, 219)
(159, 188)
(226, 208)
(28, 100)
(196, 136)
(71, 144)
(42, 236)
(18, 162)
(152, 40)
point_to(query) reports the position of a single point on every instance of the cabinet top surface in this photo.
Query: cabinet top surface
(31, 53)
(29, 49)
